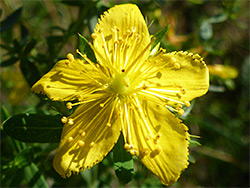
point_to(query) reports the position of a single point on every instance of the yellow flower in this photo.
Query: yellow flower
(128, 91)
(223, 71)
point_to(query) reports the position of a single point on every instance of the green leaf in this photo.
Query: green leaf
(206, 30)
(30, 71)
(85, 48)
(24, 158)
(123, 162)
(10, 20)
(159, 36)
(29, 46)
(34, 178)
(9, 62)
(34, 128)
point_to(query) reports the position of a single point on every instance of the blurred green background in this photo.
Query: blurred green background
(36, 34)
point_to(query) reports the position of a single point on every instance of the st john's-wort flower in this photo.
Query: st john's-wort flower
(128, 91)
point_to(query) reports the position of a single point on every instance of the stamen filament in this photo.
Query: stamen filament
(128, 124)
(160, 96)
(133, 63)
(142, 115)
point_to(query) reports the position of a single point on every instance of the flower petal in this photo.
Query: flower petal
(159, 139)
(123, 30)
(184, 76)
(86, 138)
(68, 80)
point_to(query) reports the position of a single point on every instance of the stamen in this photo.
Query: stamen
(70, 121)
(70, 57)
(187, 103)
(133, 152)
(163, 90)
(64, 119)
(177, 66)
(160, 96)
(180, 112)
(158, 149)
(92, 144)
(143, 116)
(145, 152)
(111, 113)
(80, 143)
(94, 35)
(70, 139)
(128, 123)
(82, 133)
(127, 146)
(135, 61)
(104, 103)
(95, 66)
(69, 105)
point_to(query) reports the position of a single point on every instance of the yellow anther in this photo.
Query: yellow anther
(132, 152)
(187, 103)
(178, 106)
(145, 152)
(156, 141)
(70, 139)
(183, 91)
(158, 149)
(126, 146)
(133, 29)
(64, 119)
(70, 57)
(70, 121)
(100, 30)
(177, 66)
(158, 135)
(69, 105)
(148, 137)
(94, 35)
(180, 112)
(92, 144)
(108, 124)
(82, 133)
(81, 143)
(102, 105)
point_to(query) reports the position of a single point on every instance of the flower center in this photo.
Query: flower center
(120, 84)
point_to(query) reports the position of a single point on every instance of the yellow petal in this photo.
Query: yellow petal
(159, 139)
(121, 35)
(181, 76)
(223, 71)
(86, 138)
(67, 80)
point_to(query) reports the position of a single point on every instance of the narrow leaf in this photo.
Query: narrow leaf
(10, 20)
(123, 162)
(85, 48)
(24, 158)
(29, 46)
(159, 36)
(33, 128)
(9, 62)
(30, 71)
(34, 178)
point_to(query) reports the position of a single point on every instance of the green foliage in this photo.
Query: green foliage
(123, 162)
(33, 128)
(36, 34)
